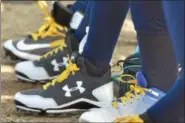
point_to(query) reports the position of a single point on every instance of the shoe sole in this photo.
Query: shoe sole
(24, 78)
(23, 108)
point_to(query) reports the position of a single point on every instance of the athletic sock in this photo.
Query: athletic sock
(157, 54)
(158, 61)
(171, 107)
(81, 31)
(105, 25)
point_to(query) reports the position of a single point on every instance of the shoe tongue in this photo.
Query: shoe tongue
(61, 14)
(141, 80)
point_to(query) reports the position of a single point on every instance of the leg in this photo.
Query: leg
(155, 44)
(171, 107)
(105, 25)
(81, 31)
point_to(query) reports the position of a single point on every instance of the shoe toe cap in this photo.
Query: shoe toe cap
(8, 44)
(96, 115)
(31, 71)
(34, 99)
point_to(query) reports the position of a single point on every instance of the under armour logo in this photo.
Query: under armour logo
(69, 90)
(57, 65)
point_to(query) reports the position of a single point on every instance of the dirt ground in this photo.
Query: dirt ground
(18, 19)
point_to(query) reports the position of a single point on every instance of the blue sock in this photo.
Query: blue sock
(81, 31)
(79, 5)
(155, 44)
(106, 21)
(171, 107)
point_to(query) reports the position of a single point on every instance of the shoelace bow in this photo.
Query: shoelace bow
(72, 68)
(135, 91)
(50, 28)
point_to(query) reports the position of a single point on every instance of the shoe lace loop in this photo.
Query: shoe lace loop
(131, 80)
(135, 92)
(50, 28)
(71, 68)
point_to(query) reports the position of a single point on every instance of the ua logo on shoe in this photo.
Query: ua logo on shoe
(69, 90)
(57, 65)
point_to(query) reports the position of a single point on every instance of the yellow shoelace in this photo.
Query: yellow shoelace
(130, 119)
(50, 28)
(132, 80)
(72, 68)
(134, 92)
(61, 47)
